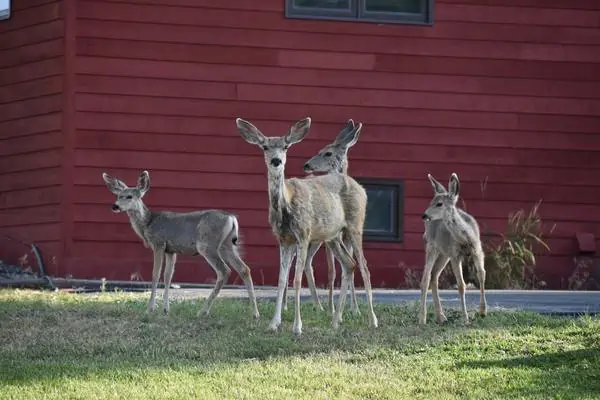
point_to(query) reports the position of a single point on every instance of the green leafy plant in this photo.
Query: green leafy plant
(511, 256)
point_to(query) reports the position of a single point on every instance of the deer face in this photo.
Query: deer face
(127, 198)
(274, 148)
(443, 200)
(334, 156)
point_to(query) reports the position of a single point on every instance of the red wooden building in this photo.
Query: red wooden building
(504, 92)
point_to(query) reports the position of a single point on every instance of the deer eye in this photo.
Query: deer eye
(438, 205)
(286, 147)
(328, 154)
(265, 147)
(129, 197)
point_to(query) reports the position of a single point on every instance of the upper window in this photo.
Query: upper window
(4, 9)
(385, 210)
(394, 11)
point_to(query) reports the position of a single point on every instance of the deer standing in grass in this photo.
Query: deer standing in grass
(211, 233)
(304, 213)
(333, 159)
(450, 235)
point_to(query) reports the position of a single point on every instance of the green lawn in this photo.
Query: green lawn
(62, 346)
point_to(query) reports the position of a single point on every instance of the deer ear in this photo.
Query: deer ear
(113, 184)
(438, 188)
(143, 182)
(249, 132)
(298, 131)
(348, 135)
(454, 185)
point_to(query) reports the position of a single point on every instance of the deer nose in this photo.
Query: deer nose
(425, 216)
(276, 162)
(115, 207)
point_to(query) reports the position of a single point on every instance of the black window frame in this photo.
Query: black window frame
(358, 13)
(5, 14)
(397, 210)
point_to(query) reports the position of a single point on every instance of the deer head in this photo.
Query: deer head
(334, 156)
(275, 148)
(443, 201)
(127, 198)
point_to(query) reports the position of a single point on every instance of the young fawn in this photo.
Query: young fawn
(211, 233)
(304, 213)
(450, 235)
(333, 159)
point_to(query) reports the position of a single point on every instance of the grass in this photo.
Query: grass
(65, 346)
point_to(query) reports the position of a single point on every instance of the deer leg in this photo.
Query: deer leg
(438, 267)
(355, 308)
(431, 256)
(285, 297)
(301, 253)
(230, 255)
(479, 265)
(356, 242)
(330, 278)
(310, 276)
(170, 259)
(223, 272)
(159, 254)
(286, 253)
(458, 274)
(347, 264)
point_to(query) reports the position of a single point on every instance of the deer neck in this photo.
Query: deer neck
(279, 195)
(456, 225)
(139, 218)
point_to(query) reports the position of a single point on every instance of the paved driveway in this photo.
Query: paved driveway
(542, 301)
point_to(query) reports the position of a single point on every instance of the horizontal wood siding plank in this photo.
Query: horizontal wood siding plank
(31, 35)
(31, 89)
(165, 133)
(269, 20)
(30, 216)
(39, 178)
(191, 63)
(30, 126)
(215, 151)
(30, 197)
(31, 53)
(31, 107)
(336, 43)
(21, 145)
(288, 111)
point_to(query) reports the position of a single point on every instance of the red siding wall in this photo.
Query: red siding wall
(31, 68)
(503, 91)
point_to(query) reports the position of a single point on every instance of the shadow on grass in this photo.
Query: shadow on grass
(49, 337)
(566, 374)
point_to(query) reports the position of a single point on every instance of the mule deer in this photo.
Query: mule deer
(333, 158)
(211, 233)
(306, 212)
(450, 235)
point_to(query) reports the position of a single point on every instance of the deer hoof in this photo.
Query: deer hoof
(274, 326)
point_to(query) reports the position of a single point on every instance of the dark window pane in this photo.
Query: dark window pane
(325, 4)
(398, 6)
(380, 217)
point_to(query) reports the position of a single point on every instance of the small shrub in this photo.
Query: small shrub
(510, 260)
(582, 277)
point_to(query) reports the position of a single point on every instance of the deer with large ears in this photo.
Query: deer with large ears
(333, 158)
(450, 235)
(212, 233)
(304, 213)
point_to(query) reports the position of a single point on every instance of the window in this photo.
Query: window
(385, 210)
(393, 11)
(4, 9)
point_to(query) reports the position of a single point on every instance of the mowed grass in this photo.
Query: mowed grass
(65, 346)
